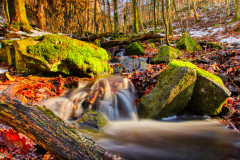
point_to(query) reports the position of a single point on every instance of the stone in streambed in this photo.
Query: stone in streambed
(166, 54)
(209, 92)
(171, 94)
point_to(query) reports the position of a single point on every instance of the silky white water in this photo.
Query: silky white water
(112, 96)
(158, 140)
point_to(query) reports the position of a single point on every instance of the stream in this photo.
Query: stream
(182, 138)
(159, 140)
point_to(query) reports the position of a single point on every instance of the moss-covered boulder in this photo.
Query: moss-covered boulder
(200, 72)
(209, 92)
(166, 54)
(58, 53)
(134, 49)
(208, 97)
(92, 120)
(188, 44)
(171, 94)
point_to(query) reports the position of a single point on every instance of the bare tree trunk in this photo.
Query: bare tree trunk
(135, 16)
(165, 19)
(179, 20)
(195, 11)
(155, 15)
(109, 16)
(95, 17)
(49, 131)
(17, 12)
(237, 11)
(115, 8)
(41, 15)
(140, 18)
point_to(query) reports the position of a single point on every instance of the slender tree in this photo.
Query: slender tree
(237, 11)
(135, 16)
(109, 16)
(165, 20)
(95, 17)
(179, 20)
(17, 14)
(115, 8)
(155, 15)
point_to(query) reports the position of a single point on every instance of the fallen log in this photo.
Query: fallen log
(49, 131)
(149, 35)
(112, 43)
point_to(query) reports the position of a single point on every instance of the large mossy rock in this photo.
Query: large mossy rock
(209, 92)
(171, 94)
(188, 44)
(166, 54)
(92, 120)
(58, 53)
(134, 49)
(208, 97)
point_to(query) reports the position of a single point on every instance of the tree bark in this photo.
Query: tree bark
(237, 11)
(48, 130)
(165, 20)
(41, 15)
(109, 16)
(115, 7)
(179, 20)
(155, 15)
(135, 16)
(17, 12)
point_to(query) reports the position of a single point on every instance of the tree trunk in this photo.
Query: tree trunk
(41, 15)
(104, 16)
(135, 16)
(179, 20)
(17, 12)
(115, 8)
(237, 11)
(95, 16)
(109, 16)
(155, 15)
(125, 19)
(195, 11)
(165, 20)
(49, 131)
(140, 18)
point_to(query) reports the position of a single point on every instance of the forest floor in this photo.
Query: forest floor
(223, 62)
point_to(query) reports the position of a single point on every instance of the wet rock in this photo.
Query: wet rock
(58, 53)
(130, 64)
(91, 120)
(208, 96)
(166, 54)
(171, 94)
(188, 44)
(135, 49)
(209, 91)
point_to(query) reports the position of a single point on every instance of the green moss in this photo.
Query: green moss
(152, 45)
(201, 72)
(213, 45)
(135, 49)
(171, 94)
(92, 120)
(57, 50)
(167, 53)
(97, 42)
(188, 44)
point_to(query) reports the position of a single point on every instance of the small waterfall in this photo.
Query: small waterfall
(112, 96)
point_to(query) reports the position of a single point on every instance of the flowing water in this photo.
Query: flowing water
(158, 140)
(114, 97)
